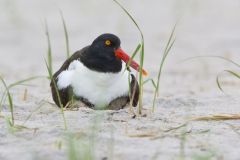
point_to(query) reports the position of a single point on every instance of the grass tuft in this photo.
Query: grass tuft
(48, 63)
(167, 49)
(10, 101)
(141, 57)
(140, 47)
(20, 82)
(9, 96)
(58, 96)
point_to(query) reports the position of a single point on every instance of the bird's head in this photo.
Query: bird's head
(107, 47)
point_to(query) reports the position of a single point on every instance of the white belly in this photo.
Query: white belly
(98, 88)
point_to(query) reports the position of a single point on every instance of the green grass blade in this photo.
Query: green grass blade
(3, 97)
(58, 95)
(167, 49)
(49, 50)
(132, 56)
(15, 84)
(73, 154)
(66, 35)
(170, 47)
(152, 81)
(50, 73)
(231, 73)
(10, 126)
(10, 101)
(141, 56)
(20, 82)
(218, 83)
(141, 79)
(30, 115)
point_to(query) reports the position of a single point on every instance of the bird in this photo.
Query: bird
(97, 77)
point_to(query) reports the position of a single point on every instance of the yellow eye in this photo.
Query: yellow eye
(108, 43)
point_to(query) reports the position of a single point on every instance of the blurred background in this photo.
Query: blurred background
(204, 28)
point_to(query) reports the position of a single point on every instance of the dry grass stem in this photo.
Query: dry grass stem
(25, 95)
(217, 117)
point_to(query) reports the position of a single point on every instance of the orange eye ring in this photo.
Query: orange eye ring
(108, 43)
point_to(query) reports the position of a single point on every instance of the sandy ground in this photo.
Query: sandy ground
(188, 89)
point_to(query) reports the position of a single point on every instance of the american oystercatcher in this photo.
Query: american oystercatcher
(95, 75)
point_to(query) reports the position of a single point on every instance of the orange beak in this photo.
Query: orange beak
(123, 56)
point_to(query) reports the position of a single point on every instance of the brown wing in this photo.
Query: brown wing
(66, 94)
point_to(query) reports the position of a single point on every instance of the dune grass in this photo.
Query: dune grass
(48, 63)
(6, 93)
(66, 35)
(140, 49)
(20, 82)
(10, 101)
(167, 49)
(140, 105)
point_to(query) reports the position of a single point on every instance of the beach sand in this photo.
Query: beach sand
(188, 89)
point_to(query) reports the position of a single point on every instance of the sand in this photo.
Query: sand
(188, 89)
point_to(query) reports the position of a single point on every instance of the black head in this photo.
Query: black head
(106, 55)
(100, 55)
(106, 41)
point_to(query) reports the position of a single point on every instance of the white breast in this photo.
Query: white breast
(99, 88)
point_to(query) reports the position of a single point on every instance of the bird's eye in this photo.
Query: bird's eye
(108, 42)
